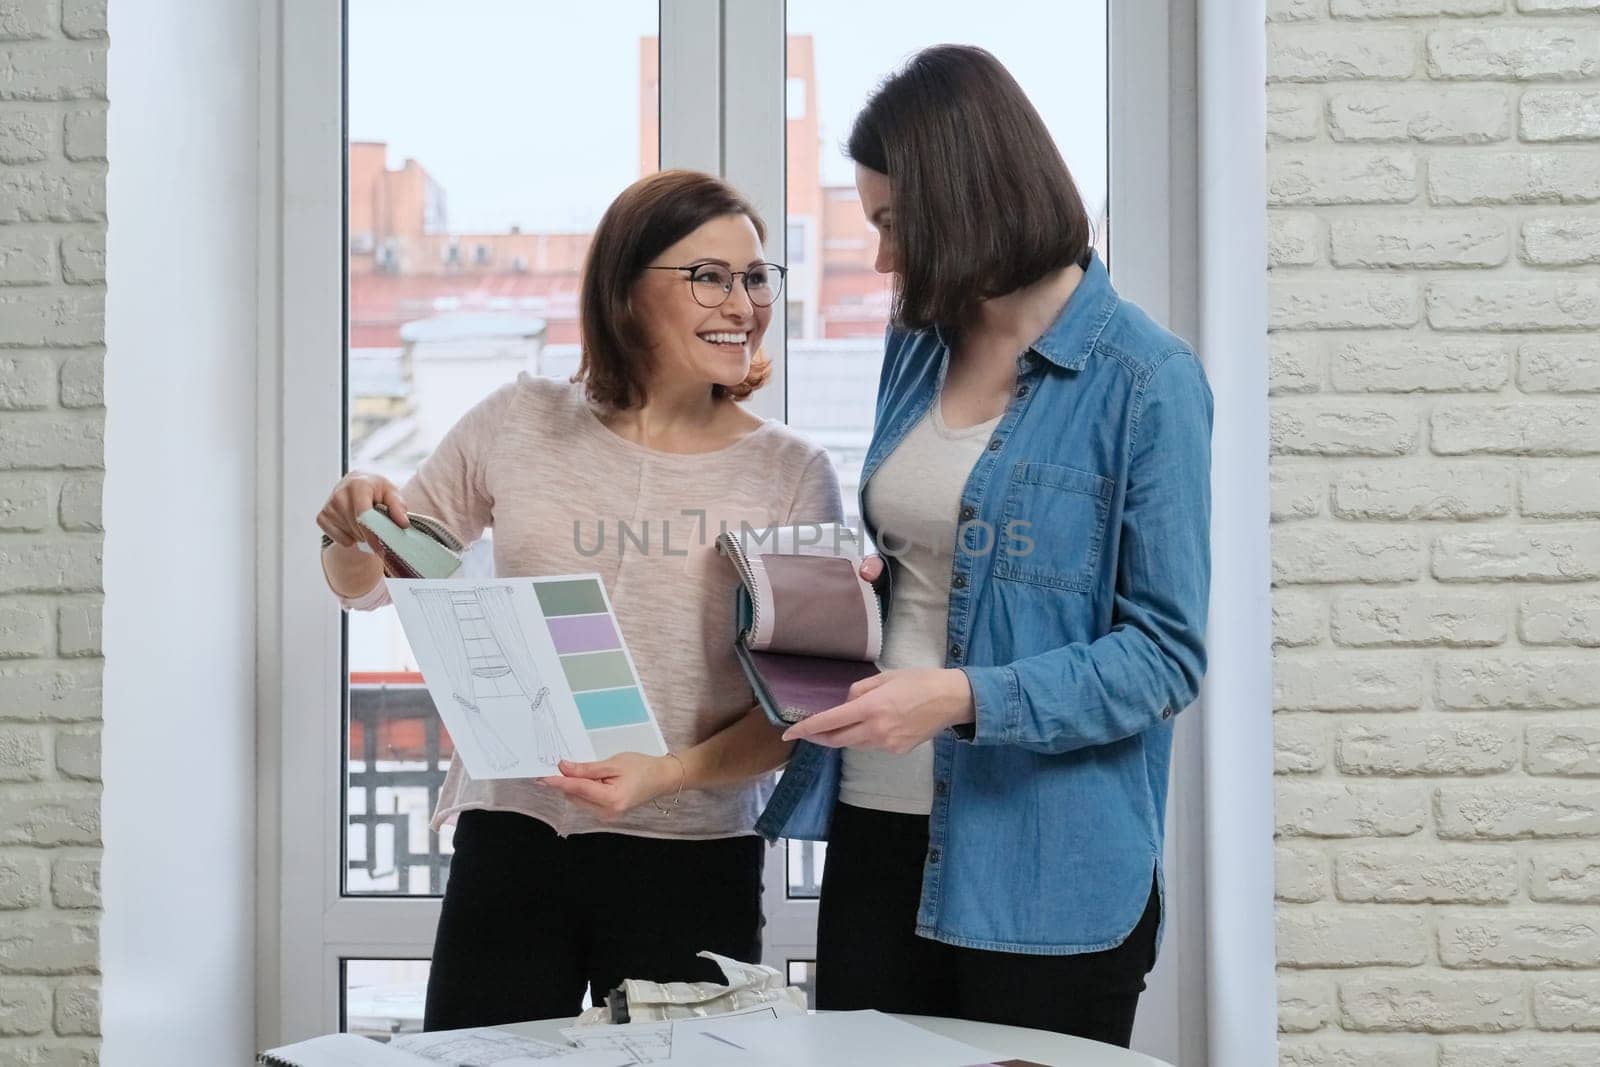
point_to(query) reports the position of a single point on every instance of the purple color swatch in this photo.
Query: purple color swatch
(583, 633)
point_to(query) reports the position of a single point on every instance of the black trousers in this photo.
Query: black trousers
(869, 955)
(529, 919)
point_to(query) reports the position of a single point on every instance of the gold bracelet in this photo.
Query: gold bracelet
(683, 774)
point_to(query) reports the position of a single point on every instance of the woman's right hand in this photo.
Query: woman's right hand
(871, 568)
(355, 494)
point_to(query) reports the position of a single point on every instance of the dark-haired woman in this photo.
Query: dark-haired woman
(628, 866)
(1038, 480)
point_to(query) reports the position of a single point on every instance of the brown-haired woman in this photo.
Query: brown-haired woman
(623, 868)
(1039, 480)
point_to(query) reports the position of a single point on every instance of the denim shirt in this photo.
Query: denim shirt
(1077, 611)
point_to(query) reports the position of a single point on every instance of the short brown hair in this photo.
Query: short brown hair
(648, 217)
(983, 202)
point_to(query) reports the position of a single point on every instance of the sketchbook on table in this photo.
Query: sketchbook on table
(525, 678)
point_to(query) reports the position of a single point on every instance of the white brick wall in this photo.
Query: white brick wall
(1434, 249)
(52, 295)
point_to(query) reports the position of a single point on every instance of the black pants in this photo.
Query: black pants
(530, 920)
(869, 955)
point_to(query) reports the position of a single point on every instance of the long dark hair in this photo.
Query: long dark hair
(983, 202)
(645, 219)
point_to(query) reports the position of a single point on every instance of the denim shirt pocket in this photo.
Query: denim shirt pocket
(1052, 526)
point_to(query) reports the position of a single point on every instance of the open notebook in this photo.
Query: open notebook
(808, 627)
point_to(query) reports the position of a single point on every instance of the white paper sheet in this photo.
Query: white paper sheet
(842, 1039)
(489, 1047)
(496, 675)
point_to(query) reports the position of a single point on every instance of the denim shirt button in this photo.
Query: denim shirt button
(1022, 391)
(959, 582)
(933, 855)
(967, 513)
(955, 651)
(940, 788)
(994, 445)
(1166, 713)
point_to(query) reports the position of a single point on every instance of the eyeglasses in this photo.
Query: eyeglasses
(711, 283)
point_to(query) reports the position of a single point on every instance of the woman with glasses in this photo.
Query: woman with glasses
(1038, 480)
(629, 866)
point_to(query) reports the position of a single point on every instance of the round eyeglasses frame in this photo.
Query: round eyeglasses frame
(727, 288)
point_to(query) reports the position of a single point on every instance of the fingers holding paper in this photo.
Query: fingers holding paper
(894, 711)
(611, 788)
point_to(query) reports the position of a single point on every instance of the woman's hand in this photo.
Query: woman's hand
(871, 568)
(611, 788)
(895, 711)
(357, 493)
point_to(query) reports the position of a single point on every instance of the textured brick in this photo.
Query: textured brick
(1338, 304)
(1560, 115)
(1299, 744)
(26, 136)
(67, 72)
(1305, 1002)
(1477, 240)
(1373, 619)
(1567, 876)
(1558, 302)
(1341, 176)
(1296, 10)
(1520, 1052)
(1410, 364)
(22, 20)
(78, 755)
(54, 818)
(83, 380)
(83, 258)
(52, 194)
(22, 757)
(1514, 53)
(1557, 7)
(24, 504)
(80, 504)
(47, 439)
(1571, 748)
(49, 692)
(1354, 1050)
(1294, 239)
(24, 1007)
(1409, 113)
(1297, 492)
(1299, 874)
(1315, 54)
(1528, 553)
(1532, 938)
(1293, 114)
(1567, 1003)
(1310, 554)
(1499, 811)
(1535, 680)
(1296, 363)
(1351, 937)
(78, 1007)
(27, 381)
(1561, 241)
(51, 566)
(21, 882)
(1521, 429)
(1390, 9)
(1411, 491)
(1343, 428)
(1431, 1003)
(85, 135)
(1560, 364)
(1346, 682)
(84, 19)
(1561, 177)
(75, 882)
(1298, 618)
(1438, 876)
(27, 258)
(24, 628)
(49, 946)
(1326, 809)
(57, 1053)
(1554, 619)
(50, 316)
(1440, 746)
(78, 629)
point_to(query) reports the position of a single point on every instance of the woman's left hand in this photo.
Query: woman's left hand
(610, 788)
(895, 711)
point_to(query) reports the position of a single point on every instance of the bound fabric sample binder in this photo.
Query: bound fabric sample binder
(425, 549)
(808, 627)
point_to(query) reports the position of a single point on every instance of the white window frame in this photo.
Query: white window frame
(1161, 139)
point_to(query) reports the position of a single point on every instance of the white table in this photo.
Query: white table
(1002, 1042)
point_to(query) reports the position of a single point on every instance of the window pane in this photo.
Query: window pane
(838, 51)
(804, 862)
(803, 973)
(486, 137)
(383, 998)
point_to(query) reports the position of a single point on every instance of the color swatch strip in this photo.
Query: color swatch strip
(597, 670)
